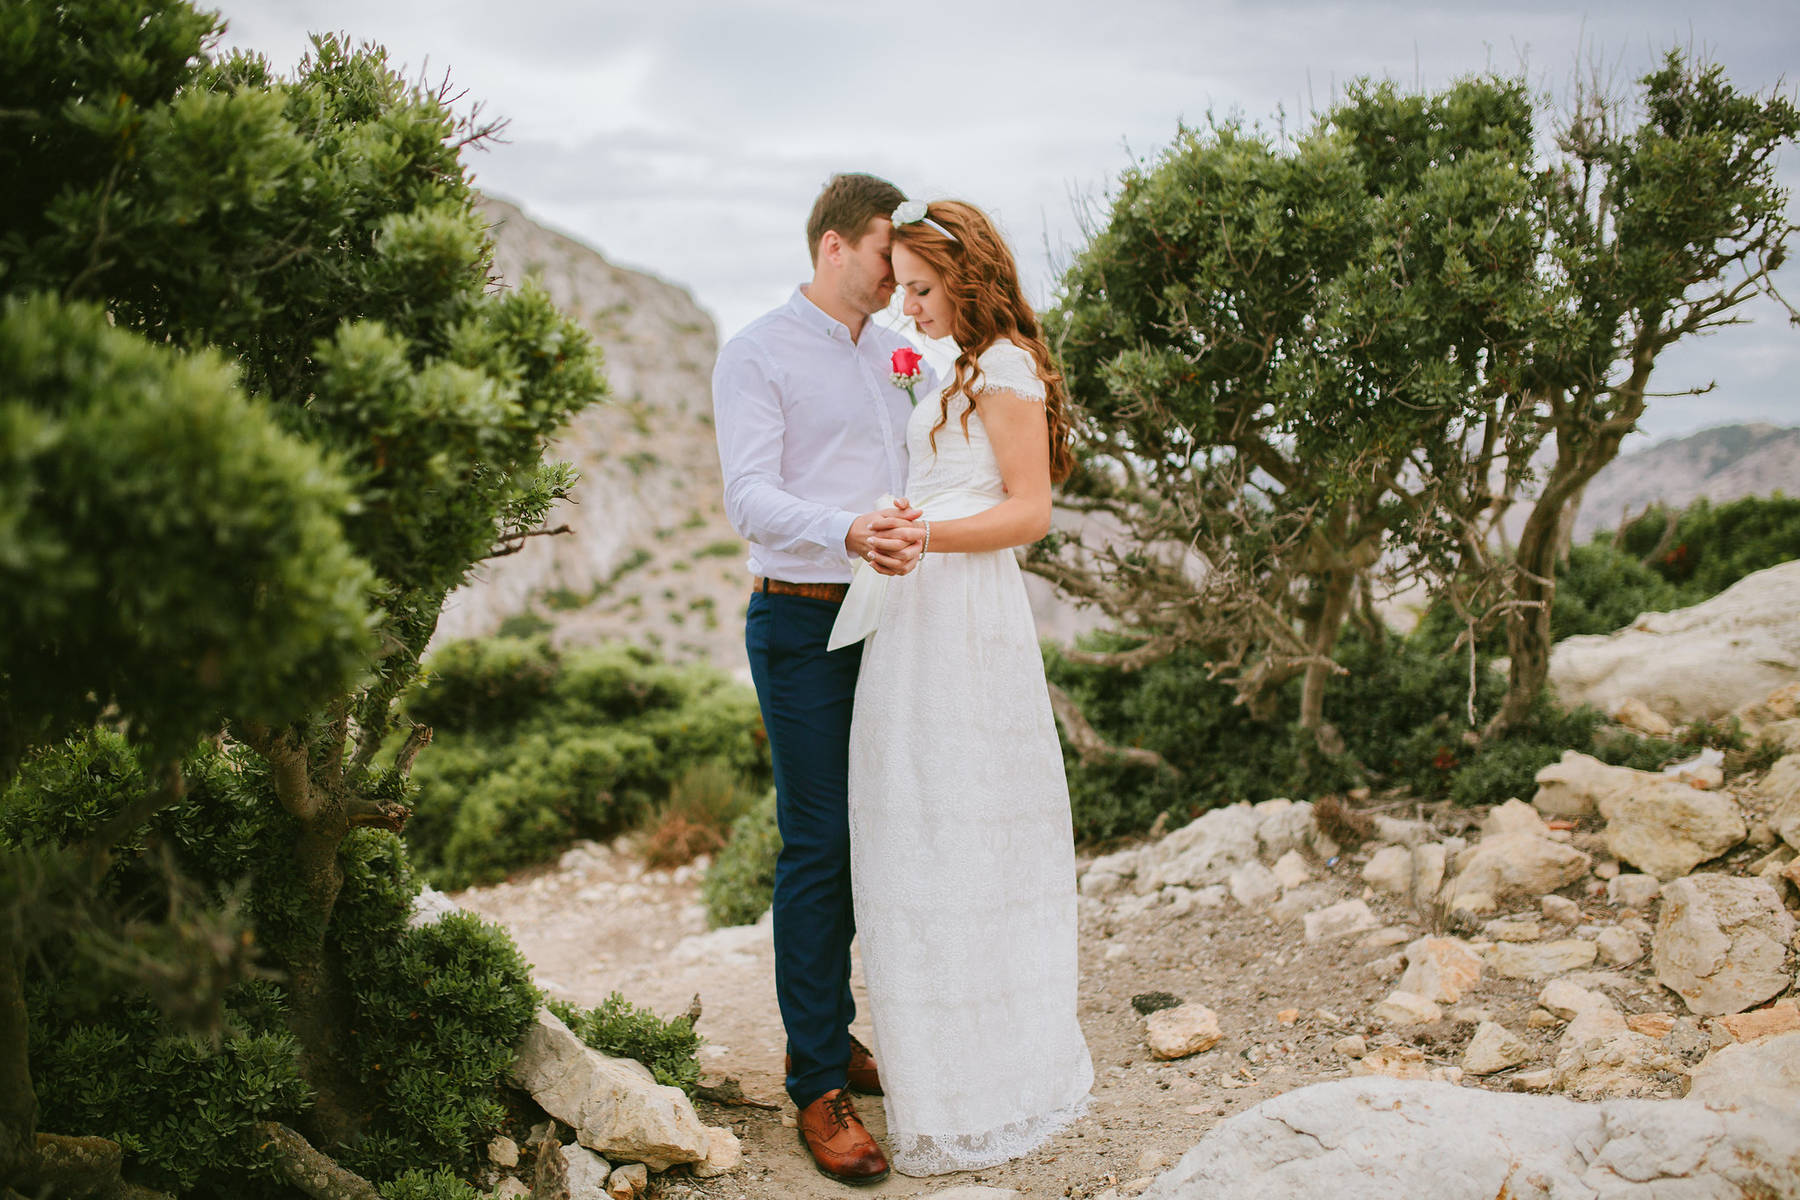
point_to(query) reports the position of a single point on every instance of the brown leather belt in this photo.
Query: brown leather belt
(833, 592)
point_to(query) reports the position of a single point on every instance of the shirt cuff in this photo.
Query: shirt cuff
(839, 528)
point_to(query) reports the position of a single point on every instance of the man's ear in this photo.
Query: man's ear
(831, 245)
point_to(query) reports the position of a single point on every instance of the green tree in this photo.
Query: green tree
(267, 557)
(1307, 366)
(1283, 354)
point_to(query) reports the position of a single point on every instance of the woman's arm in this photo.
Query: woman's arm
(1019, 430)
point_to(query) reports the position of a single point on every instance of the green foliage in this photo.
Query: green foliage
(617, 1027)
(536, 748)
(166, 550)
(741, 881)
(1714, 546)
(1600, 589)
(441, 1184)
(439, 1010)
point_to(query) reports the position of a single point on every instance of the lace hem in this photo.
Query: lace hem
(1008, 367)
(923, 1154)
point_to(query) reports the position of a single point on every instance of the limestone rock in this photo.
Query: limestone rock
(1614, 1065)
(1384, 1139)
(1253, 885)
(1568, 999)
(723, 1154)
(1537, 960)
(1760, 1072)
(1666, 829)
(1494, 1048)
(1290, 870)
(429, 907)
(1705, 770)
(1781, 789)
(626, 1182)
(1288, 826)
(1202, 852)
(1440, 969)
(583, 1172)
(1428, 869)
(1656, 1025)
(503, 1152)
(1694, 664)
(1513, 929)
(1722, 942)
(1574, 785)
(1180, 1031)
(1339, 920)
(1633, 891)
(1517, 864)
(1619, 947)
(1407, 1008)
(1351, 1046)
(1390, 870)
(1783, 1016)
(1560, 909)
(510, 1188)
(1394, 1062)
(1515, 816)
(1634, 714)
(613, 1104)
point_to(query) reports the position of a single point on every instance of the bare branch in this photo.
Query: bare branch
(1089, 746)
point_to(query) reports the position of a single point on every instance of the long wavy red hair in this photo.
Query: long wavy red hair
(977, 272)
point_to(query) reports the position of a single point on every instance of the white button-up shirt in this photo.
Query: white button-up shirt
(812, 433)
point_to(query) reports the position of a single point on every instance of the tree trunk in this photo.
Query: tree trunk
(1321, 639)
(319, 1004)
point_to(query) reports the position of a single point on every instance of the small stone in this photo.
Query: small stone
(1494, 1048)
(1290, 870)
(1396, 1062)
(1560, 910)
(1607, 870)
(1181, 1031)
(790, 1120)
(1566, 998)
(1287, 1016)
(1636, 715)
(627, 1181)
(1470, 1014)
(1253, 885)
(1406, 1008)
(1353, 1046)
(1152, 1160)
(503, 1152)
(723, 1154)
(511, 1189)
(1535, 1081)
(1542, 959)
(1633, 891)
(1513, 929)
(1478, 903)
(1440, 969)
(1656, 1025)
(1387, 935)
(1339, 920)
(1390, 870)
(585, 1172)
(1783, 1016)
(1619, 946)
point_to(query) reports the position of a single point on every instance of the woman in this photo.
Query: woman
(962, 857)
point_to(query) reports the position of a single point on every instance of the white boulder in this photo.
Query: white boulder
(1722, 942)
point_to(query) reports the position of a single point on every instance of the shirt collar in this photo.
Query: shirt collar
(814, 317)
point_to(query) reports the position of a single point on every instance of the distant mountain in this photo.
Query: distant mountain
(1724, 463)
(651, 558)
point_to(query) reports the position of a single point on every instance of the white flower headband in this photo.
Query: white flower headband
(913, 211)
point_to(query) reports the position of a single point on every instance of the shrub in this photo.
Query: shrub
(1601, 589)
(741, 881)
(537, 749)
(441, 1184)
(696, 819)
(671, 1048)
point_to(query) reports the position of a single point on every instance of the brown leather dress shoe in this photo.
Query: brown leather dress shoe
(840, 1145)
(864, 1076)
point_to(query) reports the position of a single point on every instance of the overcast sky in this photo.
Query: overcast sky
(689, 138)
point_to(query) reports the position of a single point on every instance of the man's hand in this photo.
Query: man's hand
(887, 539)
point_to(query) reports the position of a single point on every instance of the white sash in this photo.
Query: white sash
(861, 611)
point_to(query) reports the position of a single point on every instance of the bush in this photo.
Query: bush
(741, 881)
(441, 1184)
(536, 749)
(697, 817)
(1715, 546)
(671, 1049)
(436, 1010)
(1601, 589)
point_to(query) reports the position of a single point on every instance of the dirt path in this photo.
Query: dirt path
(598, 923)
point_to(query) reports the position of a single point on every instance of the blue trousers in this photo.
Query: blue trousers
(805, 693)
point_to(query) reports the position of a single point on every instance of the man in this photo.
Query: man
(812, 434)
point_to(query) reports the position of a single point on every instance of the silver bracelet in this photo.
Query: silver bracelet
(927, 544)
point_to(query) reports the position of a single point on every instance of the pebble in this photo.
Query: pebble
(1353, 1046)
(1561, 910)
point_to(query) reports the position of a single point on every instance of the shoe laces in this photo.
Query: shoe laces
(839, 1109)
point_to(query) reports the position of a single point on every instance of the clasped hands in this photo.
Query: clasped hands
(888, 539)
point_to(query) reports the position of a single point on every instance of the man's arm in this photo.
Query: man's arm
(751, 429)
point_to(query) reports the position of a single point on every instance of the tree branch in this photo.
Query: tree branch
(309, 1170)
(1087, 743)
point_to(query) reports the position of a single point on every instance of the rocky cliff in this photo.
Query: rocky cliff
(650, 557)
(1724, 463)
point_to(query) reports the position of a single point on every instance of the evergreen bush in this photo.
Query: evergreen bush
(741, 881)
(671, 1048)
(535, 748)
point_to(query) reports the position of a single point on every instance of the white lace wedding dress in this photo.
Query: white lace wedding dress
(962, 859)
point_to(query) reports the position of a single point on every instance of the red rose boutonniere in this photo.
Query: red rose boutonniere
(906, 370)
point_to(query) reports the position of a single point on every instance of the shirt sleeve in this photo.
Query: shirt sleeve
(748, 420)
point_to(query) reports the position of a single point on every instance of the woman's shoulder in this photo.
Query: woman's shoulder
(1010, 366)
